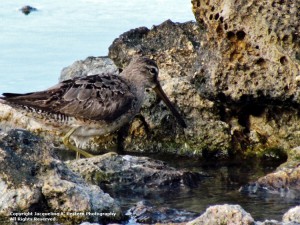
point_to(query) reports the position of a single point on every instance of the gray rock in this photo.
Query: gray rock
(270, 222)
(134, 174)
(224, 214)
(89, 66)
(32, 180)
(145, 212)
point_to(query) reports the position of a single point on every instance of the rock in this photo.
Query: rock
(175, 48)
(33, 181)
(224, 214)
(89, 66)
(27, 9)
(145, 212)
(271, 222)
(285, 181)
(249, 63)
(136, 175)
(292, 216)
(253, 47)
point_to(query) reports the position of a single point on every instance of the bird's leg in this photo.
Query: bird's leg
(144, 123)
(67, 143)
(122, 133)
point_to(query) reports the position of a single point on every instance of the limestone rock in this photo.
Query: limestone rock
(254, 47)
(249, 63)
(89, 66)
(224, 214)
(292, 216)
(32, 180)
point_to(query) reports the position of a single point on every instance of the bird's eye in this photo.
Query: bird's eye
(153, 71)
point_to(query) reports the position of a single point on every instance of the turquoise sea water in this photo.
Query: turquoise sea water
(34, 48)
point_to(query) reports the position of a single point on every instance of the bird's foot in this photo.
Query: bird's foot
(78, 151)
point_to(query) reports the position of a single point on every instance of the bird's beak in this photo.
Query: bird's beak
(159, 91)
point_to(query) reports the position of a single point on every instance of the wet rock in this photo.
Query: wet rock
(27, 9)
(292, 216)
(285, 181)
(175, 47)
(117, 173)
(223, 214)
(89, 66)
(145, 212)
(271, 222)
(32, 180)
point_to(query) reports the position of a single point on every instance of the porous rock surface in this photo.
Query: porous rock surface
(32, 180)
(250, 65)
(254, 47)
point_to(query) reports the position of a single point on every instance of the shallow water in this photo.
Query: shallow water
(34, 48)
(221, 188)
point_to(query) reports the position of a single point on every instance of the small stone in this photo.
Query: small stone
(27, 9)
(224, 214)
(292, 216)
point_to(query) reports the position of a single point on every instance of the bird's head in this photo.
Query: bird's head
(144, 73)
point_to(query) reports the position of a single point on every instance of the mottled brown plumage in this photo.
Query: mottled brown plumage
(96, 97)
(96, 104)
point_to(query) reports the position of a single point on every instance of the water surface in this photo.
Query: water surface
(34, 48)
(222, 187)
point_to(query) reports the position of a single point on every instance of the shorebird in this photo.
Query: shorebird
(94, 105)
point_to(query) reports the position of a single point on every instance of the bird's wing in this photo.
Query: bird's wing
(96, 97)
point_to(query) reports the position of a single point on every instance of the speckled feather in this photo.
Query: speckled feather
(96, 97)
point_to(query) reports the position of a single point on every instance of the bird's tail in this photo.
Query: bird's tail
(13, 95)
